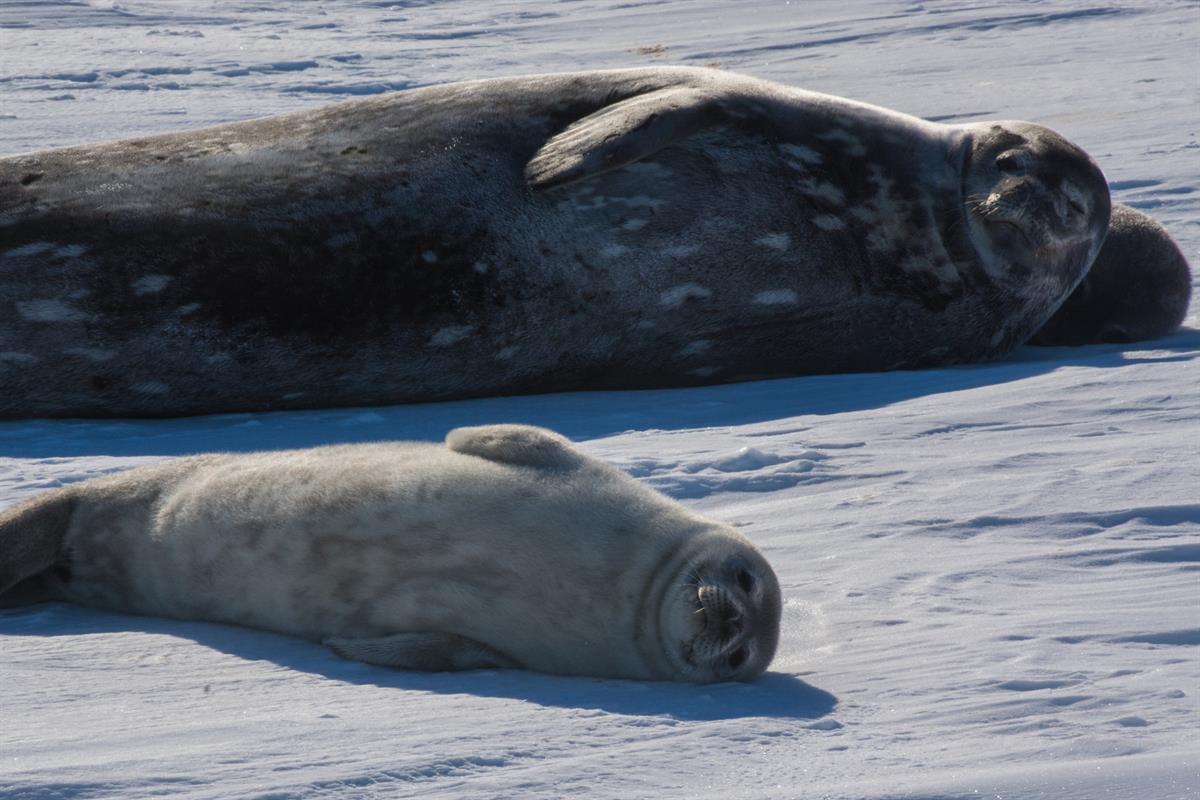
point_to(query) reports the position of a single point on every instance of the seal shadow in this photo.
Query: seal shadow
(775, 695)
(577, 415)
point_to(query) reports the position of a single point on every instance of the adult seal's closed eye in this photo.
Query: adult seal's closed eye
(507, 547)
(633, 228)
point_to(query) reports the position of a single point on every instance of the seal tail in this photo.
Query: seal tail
(32, 536)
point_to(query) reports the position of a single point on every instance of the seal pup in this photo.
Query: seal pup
(1138, 288)
(595, 230)
(506, 547)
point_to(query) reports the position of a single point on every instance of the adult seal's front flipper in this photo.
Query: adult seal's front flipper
(627, 131)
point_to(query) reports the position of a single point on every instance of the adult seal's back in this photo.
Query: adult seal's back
(632, 228)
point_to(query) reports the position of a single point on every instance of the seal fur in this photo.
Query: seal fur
(506, 547)
(632, 228)
(1138, 288)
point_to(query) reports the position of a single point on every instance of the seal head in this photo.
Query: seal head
(1138, 288)
(719, 617)
(1037, 207)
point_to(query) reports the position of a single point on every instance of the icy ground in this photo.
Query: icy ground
(991, 572)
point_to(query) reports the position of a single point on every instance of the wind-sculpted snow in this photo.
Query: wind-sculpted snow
(989, 572)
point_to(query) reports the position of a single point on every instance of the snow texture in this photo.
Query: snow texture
(990, 572)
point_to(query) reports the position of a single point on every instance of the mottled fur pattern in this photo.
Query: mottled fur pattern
(629, 228)
(504, 547)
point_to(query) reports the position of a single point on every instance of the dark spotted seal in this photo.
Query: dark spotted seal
(633, 228)
(504, 547)
(1137, 288)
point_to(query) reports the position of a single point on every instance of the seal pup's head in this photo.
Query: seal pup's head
(719, 619)
(1036, 206)
(699, 601)
(1137, 288)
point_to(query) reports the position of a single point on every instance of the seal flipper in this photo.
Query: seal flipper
(430, 652)
(626, 131)
(31, 542)
(524, 445)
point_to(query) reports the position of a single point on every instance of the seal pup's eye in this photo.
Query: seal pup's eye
(737, 658)
(745, 581)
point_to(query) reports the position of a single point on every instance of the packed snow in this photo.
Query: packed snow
(990, 572)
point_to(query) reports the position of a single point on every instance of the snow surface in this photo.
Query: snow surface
(991, 572)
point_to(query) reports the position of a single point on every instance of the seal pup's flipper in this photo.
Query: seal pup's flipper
(524, 445)
(428, 652)
(31, 540)
(626, 131)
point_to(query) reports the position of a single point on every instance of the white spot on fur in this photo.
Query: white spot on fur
(775, 241)
(828, 222)
(91, 353)
(998, 337)
(10, 357)
(31, 249)
(801, 153)
(450, 335)
(776, 297)
(480, 267)
(429, 257)
(635, 224)
(822, 191)
(151, 387)
(294, 395)
(696, 348)
(70, 251)
(682, 250)
(506, 353)
(190, 308)
(149, 284)
(48, 311)
(890, 230)
(613, 251)
(864, 213)
(678, 295)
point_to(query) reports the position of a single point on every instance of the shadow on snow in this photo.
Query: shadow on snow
(775, 695)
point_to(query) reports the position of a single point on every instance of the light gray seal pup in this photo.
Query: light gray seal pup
(506, 547)
(1138, 288)
(599, 230)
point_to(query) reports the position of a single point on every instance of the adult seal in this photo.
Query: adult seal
(634, 228)
(1138, 288)
(506, 547)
